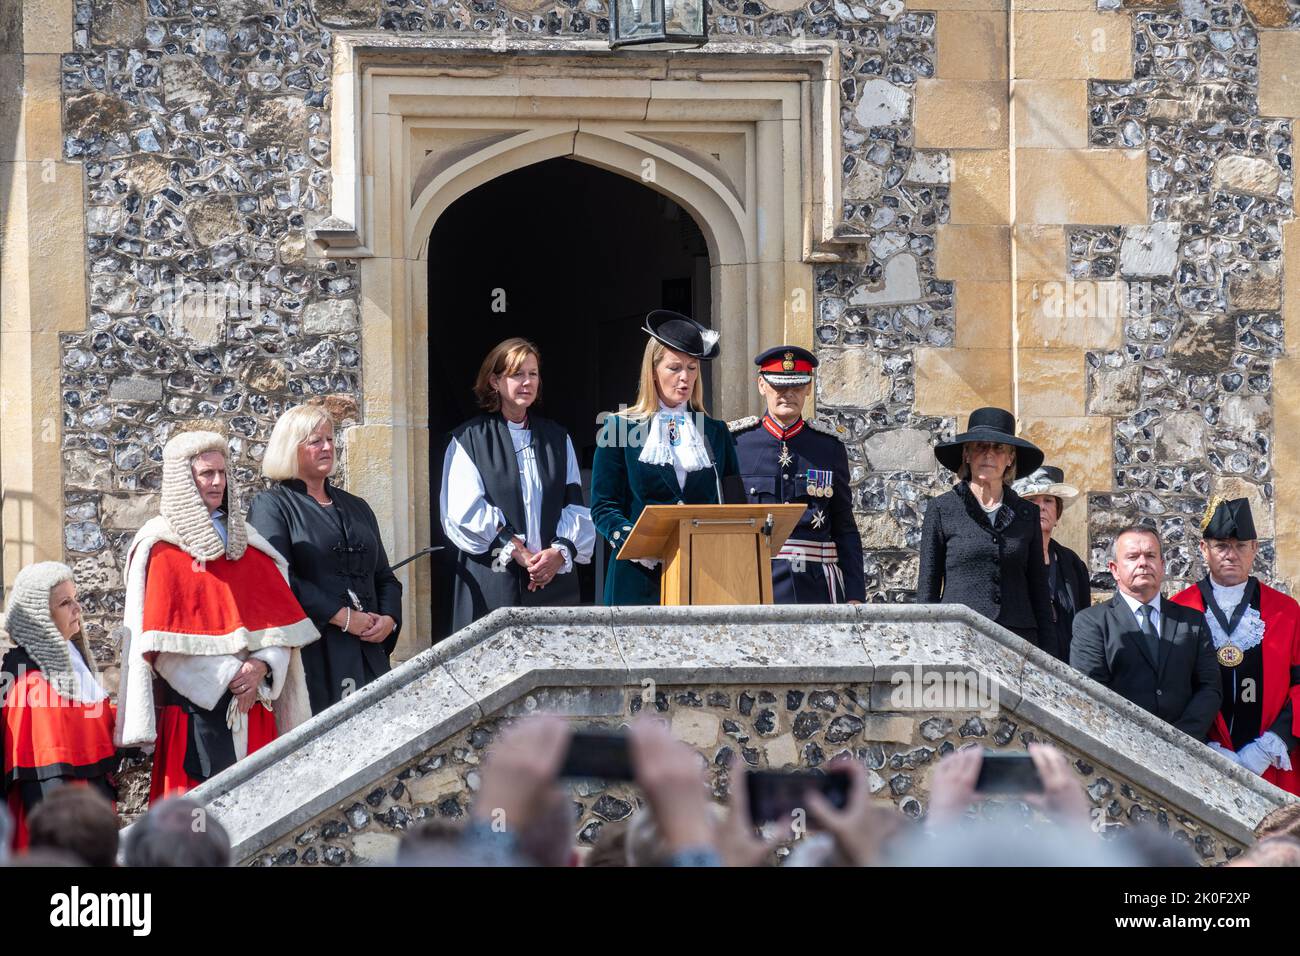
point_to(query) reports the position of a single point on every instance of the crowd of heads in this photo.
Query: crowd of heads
(523, 815)
(77, 826)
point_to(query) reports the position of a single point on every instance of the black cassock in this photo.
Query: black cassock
(331, 550)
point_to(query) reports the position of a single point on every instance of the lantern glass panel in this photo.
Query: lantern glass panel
(637, 18)
(684, 17)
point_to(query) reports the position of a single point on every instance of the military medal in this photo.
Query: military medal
(1230, 655)
(785, 458)
(819, 483)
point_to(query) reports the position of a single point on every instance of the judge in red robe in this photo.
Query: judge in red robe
(56, 721)
(210, 613)
(1256, 633)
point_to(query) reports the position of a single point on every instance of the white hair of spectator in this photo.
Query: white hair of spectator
(177, 832)
(1008, 843)
(280, 462)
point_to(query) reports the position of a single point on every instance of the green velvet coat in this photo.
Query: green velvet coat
(621, 486)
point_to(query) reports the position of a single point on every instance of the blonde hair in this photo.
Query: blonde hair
(647, 393)
(1008, 476)
(506, 359)
(294, 427)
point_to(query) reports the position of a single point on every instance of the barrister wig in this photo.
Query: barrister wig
(183, 507)
(292, 429)
(31, 626)
(506, 358)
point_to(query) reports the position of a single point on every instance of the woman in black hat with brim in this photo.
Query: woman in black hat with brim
(1067, 575)
(664, 450)
(981, 543)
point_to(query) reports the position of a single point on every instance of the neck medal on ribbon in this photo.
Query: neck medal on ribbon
(819, 483)
(1233, 636)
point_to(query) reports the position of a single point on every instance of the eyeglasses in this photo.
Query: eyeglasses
(1229, 547)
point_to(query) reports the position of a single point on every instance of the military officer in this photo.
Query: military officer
(785, 459)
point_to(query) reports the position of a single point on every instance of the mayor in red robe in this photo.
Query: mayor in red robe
(56, 722)
(1256, 633)
(211, 666)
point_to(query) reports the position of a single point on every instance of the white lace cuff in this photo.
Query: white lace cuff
(505, 557)
(568, 561)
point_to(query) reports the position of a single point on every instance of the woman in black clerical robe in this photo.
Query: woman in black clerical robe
(338, 568)
(511, 499)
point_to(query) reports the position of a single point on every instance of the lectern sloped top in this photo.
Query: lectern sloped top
(653, 529)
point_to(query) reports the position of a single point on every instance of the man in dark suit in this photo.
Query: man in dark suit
(1156, 653)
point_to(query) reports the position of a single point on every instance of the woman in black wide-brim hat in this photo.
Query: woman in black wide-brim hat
(981, 543)
(664, 450)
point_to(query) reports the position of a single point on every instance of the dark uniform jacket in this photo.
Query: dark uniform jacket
(1179, 683)
(331, 550)
(767, 480)
(479, 589)
(996, 569)
(621, 486)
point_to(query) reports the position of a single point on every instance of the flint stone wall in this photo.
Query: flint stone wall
(203, 130)
(776, 687)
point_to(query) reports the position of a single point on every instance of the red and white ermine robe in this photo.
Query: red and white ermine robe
(49, 740)
(1261, 694)
(194, 622)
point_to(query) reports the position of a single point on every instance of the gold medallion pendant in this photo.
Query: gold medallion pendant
(1230, 655)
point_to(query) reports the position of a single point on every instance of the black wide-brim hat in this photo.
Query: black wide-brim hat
(683, 334)
(991, 424)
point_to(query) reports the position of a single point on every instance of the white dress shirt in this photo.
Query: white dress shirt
(472, 523)
(1133, 605)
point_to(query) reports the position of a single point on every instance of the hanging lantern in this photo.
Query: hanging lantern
(658, 24)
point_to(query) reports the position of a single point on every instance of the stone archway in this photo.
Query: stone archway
(751, 151)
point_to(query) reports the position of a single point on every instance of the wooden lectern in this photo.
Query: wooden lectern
(713, 554)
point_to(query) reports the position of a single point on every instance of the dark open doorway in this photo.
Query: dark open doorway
(579, 255)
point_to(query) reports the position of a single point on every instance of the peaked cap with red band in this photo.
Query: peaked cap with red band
(786, 365)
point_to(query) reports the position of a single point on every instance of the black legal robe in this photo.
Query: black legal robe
(332, 549)
(478, 589)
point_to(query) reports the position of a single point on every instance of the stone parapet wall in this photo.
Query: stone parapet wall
(779, 727)
(775, 687)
